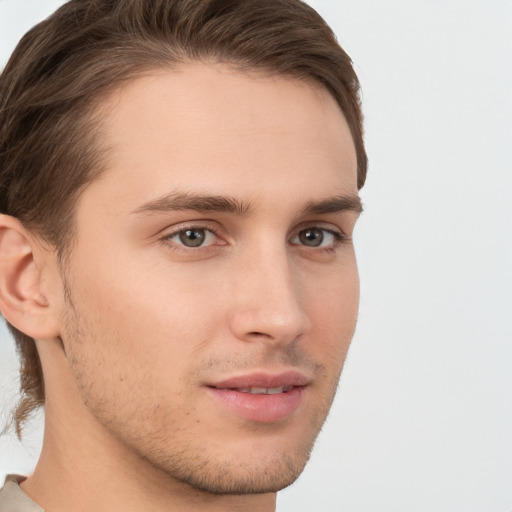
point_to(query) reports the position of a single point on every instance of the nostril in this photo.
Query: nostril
(260, 334)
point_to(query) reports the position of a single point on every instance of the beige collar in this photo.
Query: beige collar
(13, 499)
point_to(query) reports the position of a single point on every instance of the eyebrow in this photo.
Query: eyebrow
(198, 203)
(334, 205)
(227, 204)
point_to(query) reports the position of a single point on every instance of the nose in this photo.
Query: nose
(267, 303)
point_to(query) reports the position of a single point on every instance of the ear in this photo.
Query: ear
(23, 302)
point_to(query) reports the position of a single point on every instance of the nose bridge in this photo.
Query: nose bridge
(267, 302)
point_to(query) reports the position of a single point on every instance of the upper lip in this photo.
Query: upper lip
(263, 380)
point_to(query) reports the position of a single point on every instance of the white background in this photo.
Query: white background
(423, 418)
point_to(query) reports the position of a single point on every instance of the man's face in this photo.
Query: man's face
(213, 287)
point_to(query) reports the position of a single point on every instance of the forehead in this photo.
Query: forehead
(215, 128)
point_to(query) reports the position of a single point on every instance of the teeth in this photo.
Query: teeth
(258, 391)
(264, 391)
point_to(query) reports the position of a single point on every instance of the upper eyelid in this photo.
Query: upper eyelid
(169, 232)
(326, 226)
(206, 225)
(217, 228)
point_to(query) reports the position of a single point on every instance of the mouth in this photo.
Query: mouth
(261, 397)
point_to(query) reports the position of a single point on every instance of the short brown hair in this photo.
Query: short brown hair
(64, 66)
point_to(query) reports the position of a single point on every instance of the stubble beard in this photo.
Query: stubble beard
(229, 475)
(185, 460)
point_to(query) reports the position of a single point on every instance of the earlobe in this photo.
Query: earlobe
(22, 300)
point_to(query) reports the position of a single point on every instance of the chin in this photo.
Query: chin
(237, 479)
(233, 473)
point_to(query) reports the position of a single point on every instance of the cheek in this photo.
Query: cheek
(333, 306)
(128, 370)
(148, 301)
(142, 326)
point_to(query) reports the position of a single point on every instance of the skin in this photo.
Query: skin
(135, 324)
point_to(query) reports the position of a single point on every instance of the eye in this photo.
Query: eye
(316, 237)
(193, 237)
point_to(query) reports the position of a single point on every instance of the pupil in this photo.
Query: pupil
(192, 237)
(312, 237)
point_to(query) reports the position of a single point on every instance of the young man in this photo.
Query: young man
(178, 190)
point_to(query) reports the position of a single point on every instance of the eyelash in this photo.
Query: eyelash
(167, 239)
(338, 238)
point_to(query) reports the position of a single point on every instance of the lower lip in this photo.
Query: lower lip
(260, 408)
